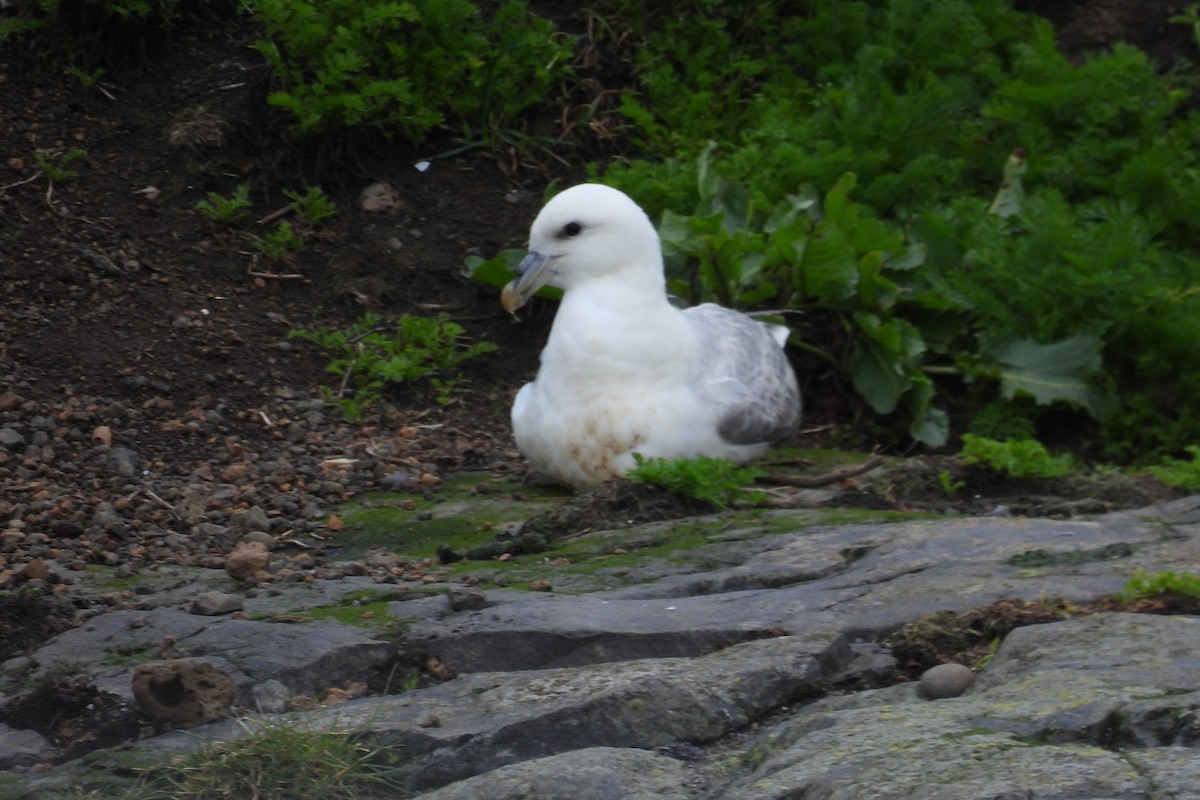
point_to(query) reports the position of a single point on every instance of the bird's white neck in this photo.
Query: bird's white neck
(619, 295)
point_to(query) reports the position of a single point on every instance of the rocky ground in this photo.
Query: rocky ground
(154, 412)
(720, 657)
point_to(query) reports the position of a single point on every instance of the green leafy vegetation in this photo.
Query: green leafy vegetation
(1190, 17)
(55, 163)
(832, 256)
(88, 79)
(280, 242)
(409, 65)
(226, 210)
(370, 356)
(1143, 586)
(80, 36)
(808, 253)
(716, 481)
(1075, 291)
(312, 207)
(1181, 474)
(1018, 458)
(949, 485)
(28, 20)
(276, 762)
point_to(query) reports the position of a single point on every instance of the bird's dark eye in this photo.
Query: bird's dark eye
(570, 230)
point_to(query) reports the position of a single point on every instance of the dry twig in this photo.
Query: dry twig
(813, 481)
(274, 215)
(277, 276)
(30, 179)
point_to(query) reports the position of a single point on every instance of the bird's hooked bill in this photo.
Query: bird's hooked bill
(533, 273)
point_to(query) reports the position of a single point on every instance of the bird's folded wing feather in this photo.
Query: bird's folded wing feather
(745, 373)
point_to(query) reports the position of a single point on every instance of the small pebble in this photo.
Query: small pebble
(945, 680)
(466, 599)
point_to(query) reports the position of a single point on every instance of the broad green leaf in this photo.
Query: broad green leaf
(741, 260)
(762, 292)
(878, 375)
(828, 267)
(1011, 196)
(838, 207)
(786, 210)
(728, 264)
(732, 202)
(896, 335)
(913, 341)
(885, 361)
(691, 237)
(674, 230)
(867, 234)
(710, 225)
(790, 239)
(930, 426)
(1050, 372)
(869, 266)
(874, 290)
(868, 322)
(909, 257)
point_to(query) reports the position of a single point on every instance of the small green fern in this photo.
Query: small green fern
(716, 481)
(1143, 586)
(370, 357)
(1181, 474)
(226, 210)
(1019, 458)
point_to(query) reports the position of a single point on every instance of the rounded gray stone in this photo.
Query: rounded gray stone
(210, 604)
(945, 680)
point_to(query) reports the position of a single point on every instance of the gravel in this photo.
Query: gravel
(80, 485)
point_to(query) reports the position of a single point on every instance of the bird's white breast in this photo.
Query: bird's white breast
(610, 387)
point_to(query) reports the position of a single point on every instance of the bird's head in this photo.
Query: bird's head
(587, 232)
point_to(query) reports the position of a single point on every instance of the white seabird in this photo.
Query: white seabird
(626, 372)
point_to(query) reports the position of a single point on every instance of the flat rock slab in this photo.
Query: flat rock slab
(1097, 707)
(665, 689)
(862, 579)
(305, 658)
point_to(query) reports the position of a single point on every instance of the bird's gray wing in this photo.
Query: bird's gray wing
(744, 372)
